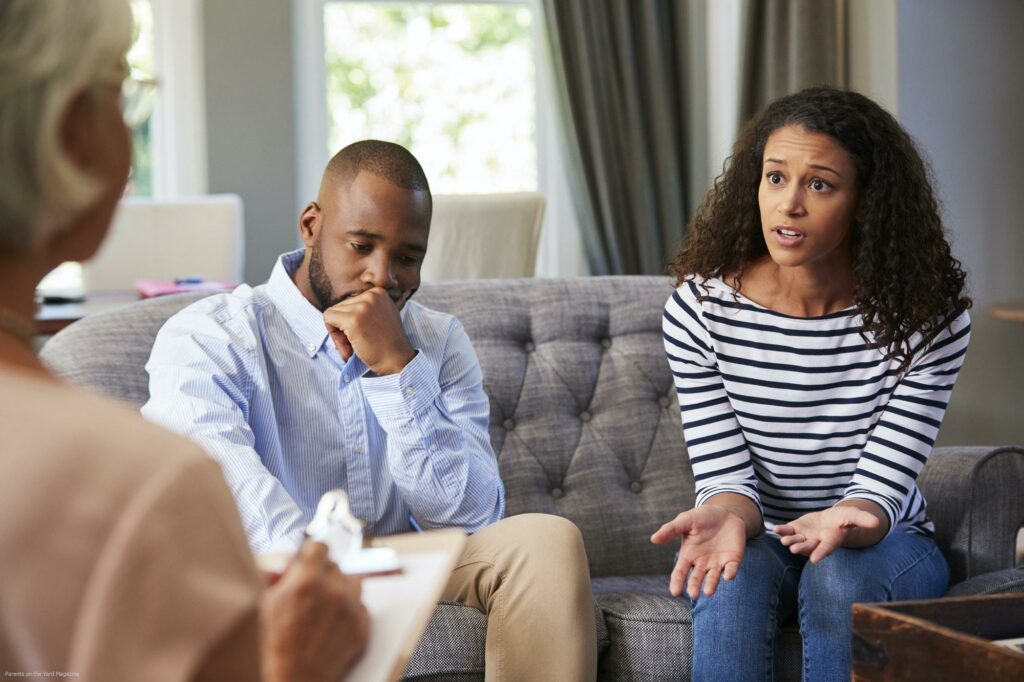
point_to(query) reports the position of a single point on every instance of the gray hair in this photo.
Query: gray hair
(50, 51)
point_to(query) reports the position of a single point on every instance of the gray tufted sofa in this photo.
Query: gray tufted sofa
(585, 424)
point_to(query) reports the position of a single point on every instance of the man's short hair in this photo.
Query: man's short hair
(387, 160)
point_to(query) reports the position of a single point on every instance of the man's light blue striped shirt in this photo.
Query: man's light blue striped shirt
(253, 378)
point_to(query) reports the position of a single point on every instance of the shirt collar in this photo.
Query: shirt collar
(306, 322)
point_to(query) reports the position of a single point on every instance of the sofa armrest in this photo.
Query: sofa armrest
(975, 499)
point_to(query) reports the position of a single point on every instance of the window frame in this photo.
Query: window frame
(178, 122)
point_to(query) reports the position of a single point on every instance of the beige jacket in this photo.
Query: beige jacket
(121, 553)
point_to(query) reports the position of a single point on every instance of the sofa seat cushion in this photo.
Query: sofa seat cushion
(651, 632)
(994, 582)
(452, 647)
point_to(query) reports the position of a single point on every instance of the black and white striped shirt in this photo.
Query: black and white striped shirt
(799, 413)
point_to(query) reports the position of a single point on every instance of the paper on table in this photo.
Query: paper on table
(1017, 643)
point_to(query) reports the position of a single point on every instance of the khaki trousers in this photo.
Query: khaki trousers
(529, 575)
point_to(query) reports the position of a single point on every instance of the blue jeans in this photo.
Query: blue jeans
(734, 629)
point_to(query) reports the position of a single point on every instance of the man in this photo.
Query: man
(392, 409)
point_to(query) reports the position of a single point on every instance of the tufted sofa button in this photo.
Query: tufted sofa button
(606, 343)
(584, 416)
(529, 347)
(636, 486)
(509, 424)
(557, 493)
(663, 401)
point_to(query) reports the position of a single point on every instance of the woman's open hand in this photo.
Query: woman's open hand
(712, 545)
(818, 534)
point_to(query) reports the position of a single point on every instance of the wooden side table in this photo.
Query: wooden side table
(938, 639)
(52, 317)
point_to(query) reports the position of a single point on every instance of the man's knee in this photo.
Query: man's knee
(545, 538)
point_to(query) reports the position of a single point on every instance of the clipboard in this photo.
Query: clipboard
(404, 577)
(400, 605)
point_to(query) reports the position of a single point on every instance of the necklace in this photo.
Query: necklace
(19, 327)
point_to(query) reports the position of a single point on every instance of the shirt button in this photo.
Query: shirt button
(529, 347)
(311, 347)
(434, 447)
(509, 424)
(606, 343)
(408, 391)
(663, 401)
(557, 493)
(636, 486)
(358, 449)
(584, 416)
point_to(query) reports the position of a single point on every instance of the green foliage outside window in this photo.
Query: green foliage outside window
(140, 60)
(453, 82)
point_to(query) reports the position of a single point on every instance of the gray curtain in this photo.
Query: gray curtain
(629, 74)
(789, 45)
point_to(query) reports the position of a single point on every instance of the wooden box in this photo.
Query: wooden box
(939, 639)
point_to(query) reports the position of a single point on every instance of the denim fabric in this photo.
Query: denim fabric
(734, 630)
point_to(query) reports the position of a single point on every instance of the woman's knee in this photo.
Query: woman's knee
(842, 578)
(758, 581)
(900, 567)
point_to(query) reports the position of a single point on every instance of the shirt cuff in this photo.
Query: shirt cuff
(884, 504)
(703, 496)
(404, 395)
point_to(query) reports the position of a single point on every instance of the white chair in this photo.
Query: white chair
(483, 236)
(168, 239)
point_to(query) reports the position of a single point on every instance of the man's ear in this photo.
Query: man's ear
(309, 223)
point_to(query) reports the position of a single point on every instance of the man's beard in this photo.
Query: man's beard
(319, 283)
(322, 288)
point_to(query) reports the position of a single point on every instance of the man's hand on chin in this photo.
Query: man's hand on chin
(368, 325)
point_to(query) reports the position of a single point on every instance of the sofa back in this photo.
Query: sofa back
(584, 417)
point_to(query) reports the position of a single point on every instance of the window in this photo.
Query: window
(164, 109)
(65, 281)
(465, 84)
(454, 83)
(139, 94)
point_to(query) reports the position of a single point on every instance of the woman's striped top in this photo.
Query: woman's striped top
(800, 413)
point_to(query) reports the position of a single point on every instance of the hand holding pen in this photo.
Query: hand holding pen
(312, 620)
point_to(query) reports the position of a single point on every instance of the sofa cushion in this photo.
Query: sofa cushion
(584, 418)
(452, 648)
(994, 582)
(651, 636)
(108, 351)
(651, 632)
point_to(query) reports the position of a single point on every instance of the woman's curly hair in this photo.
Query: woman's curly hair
(906, 279)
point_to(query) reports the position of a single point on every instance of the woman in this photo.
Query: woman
(122, 554)
(815, 336)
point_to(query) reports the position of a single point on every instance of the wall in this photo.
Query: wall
(962, 98)
(251, 121)
(872, 52)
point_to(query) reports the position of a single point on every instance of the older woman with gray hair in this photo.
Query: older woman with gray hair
(121, 553)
